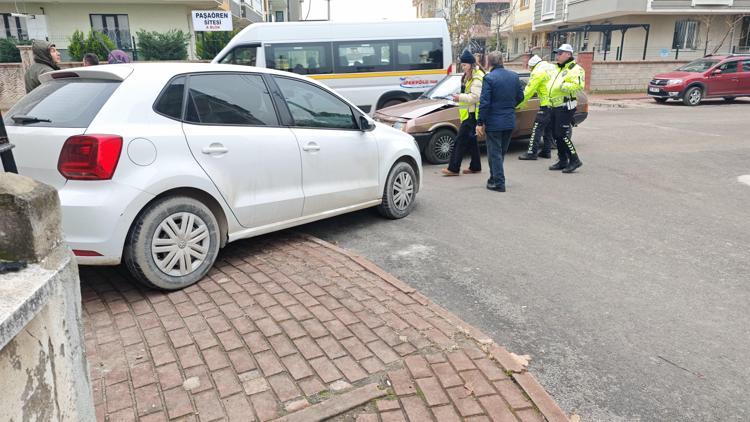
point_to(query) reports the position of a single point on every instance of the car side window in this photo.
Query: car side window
(242, 55)
(170, 100)
(729, 67)
(746, 65)
(314, 107)
(230, 99)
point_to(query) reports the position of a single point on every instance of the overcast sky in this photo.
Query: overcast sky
(359, 10)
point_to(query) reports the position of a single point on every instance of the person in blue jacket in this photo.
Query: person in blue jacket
(501, 93)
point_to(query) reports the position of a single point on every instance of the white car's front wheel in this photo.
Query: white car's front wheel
(173, 243)
(400, 192)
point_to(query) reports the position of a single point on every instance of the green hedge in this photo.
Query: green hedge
(96, 43)
(209, 44)
(9, 53)
(170, 45)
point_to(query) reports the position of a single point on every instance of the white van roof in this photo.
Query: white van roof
(270, 32)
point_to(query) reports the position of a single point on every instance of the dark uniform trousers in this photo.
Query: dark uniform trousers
(542, 131)
(562, 124)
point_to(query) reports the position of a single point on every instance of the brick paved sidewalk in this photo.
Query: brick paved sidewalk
(290, 327)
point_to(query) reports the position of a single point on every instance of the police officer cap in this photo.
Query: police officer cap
(467, 57)
(565, 47)
(534, 60)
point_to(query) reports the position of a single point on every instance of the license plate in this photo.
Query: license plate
(652, 89)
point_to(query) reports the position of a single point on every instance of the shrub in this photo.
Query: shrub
(9, 53)
(209, 44)
(96, 43)
(171, 45)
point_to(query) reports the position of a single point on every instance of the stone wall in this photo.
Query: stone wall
(628, 76)
(43, 369)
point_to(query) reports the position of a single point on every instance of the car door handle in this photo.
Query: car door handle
(311, 146)
(215, 149)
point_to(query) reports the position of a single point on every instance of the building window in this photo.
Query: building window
(525, 4)
(279, 16)
(685, 35)
(548, 9)
(13, 27)
(116, 27)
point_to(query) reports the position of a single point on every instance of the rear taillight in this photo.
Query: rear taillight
(90, 157)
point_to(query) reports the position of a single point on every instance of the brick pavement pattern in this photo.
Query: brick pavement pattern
(286, 324)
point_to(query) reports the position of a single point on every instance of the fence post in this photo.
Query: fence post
(677, 52)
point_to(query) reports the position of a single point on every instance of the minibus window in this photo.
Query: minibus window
(363, 56)
(419, 54)
(243, 55)
(303, 59)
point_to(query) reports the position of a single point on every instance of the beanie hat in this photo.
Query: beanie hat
(467, 57)
(534, 60)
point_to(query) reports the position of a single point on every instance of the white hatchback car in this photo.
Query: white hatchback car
(159, 165)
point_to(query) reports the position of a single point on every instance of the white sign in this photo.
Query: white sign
(212, 20)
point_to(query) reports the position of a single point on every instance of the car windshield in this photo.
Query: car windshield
(450, 85)
(701, 65)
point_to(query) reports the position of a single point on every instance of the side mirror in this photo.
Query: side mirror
(365, 125)
(716, 72)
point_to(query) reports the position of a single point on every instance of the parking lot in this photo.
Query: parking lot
(625, 282)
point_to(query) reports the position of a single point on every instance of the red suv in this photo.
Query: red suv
(725, 77)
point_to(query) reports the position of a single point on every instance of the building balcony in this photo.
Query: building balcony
(588, 10)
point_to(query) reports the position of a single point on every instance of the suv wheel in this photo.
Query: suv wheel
(438, 149)
(173, 243)
(693, 96)
(400, 192)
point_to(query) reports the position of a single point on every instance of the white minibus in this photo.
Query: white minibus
(373, 64)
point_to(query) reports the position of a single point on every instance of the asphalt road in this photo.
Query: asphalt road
(628, 283)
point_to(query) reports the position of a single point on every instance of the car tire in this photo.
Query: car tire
(729, 99)
(439, 147)
(400, 192)
(693, 96)
(161, 225)
(660, 100)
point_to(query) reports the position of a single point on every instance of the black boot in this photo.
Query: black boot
(560, 165)
(575, 163)
(527, 156)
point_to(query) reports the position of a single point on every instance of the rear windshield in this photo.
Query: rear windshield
(66, 103)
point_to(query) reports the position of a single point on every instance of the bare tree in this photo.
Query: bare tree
(709, 21)
(731, 21)
(461, 16)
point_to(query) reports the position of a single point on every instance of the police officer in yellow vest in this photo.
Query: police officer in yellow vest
(541, 73)
(567, 80)
(468, 109)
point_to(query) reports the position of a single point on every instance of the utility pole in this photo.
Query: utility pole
(329, 10)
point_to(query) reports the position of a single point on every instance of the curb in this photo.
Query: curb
(510, 362)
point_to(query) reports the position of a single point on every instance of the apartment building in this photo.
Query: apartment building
(515, 25)
(646, 29)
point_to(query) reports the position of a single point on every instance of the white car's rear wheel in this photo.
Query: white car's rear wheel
(173, 243)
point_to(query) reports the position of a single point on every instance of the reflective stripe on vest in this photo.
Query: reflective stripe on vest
(463, 108)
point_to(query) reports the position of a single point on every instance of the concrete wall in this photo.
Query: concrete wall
(43, 369)
(628, 76)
